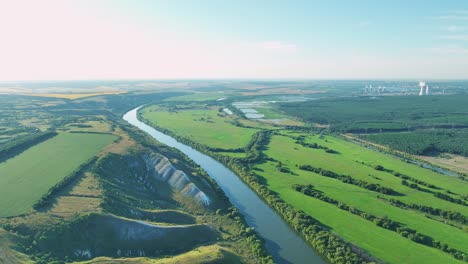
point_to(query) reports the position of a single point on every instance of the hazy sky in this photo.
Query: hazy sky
(98, 39)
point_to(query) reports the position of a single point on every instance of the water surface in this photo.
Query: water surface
(281, 241)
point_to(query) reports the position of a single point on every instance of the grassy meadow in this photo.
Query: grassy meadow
(203, 254)
(384, 244)
(204, 126)
(28, 176)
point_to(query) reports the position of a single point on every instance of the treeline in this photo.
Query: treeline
(16, 147)
(439, 195)
(248, 233)
(255, 146)
(405, 177)
(344, 114)
(414, 186)
(449, 198)
(316, 146)
(350, 180)
(445, 116)
(415, 182)
(386, 223)
(425, 142)
(446, 214)
(46, 198)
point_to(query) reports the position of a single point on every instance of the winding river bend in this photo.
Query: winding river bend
(281, 241)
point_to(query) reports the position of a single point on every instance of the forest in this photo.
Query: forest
(384, 113)
(416, 125)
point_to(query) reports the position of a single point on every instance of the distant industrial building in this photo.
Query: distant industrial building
(423, 86)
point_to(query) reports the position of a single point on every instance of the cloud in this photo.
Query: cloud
(454, 28)
(454, 37)
(364, 23)
(275, 46)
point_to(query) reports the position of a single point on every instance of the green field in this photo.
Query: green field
(204, 126)
(284, 150)
(28, 176)
(202, 96)
(382, 243)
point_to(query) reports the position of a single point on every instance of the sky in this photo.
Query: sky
(232, 39)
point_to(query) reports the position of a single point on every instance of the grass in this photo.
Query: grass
(28, 176)
(7, 252)
(354, 160)
(201, 125)
(203, 254)
(84, 196)
(384, 244)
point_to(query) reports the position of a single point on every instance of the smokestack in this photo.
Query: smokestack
(421, 85)
(427, 89)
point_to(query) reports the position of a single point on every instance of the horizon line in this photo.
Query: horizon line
(234, 79)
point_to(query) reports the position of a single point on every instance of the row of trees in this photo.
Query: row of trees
(415, 182)
(350, 180)
(316, 146)
(449, 198)
(46, 199)
(405, 177)
(446, 214)
(383, 222)
(256, 145)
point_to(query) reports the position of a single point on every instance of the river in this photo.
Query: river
(281, 241)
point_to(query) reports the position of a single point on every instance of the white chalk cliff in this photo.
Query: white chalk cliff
(161, 169)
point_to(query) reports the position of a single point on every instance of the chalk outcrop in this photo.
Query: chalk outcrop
(161, 169)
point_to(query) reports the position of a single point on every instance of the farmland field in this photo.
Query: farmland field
(73, 96)
(351, 227)
(28, 176)
(202, 125)
(340, 171)
(281, 169)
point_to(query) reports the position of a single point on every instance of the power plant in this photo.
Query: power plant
(423, 86)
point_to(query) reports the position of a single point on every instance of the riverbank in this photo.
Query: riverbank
(316, 235)
(270, 167)
(281, 241)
